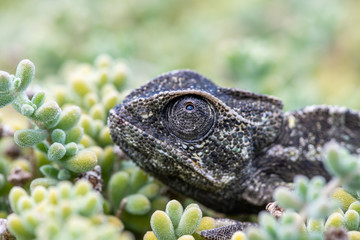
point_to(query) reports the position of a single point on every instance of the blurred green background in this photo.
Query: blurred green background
(302, 51)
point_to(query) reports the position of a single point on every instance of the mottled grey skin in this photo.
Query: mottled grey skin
(227, 148)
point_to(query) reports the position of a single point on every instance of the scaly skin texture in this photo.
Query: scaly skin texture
(227, 148)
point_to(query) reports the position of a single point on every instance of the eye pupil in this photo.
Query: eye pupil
(189, 107)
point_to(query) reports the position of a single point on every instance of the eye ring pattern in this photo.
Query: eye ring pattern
(190, 117)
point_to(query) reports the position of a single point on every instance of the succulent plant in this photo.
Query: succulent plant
(177, 223)
(96, 89)
(53, 133)
(60, 142)
(65, 211)
(315, 208)
(134, 196)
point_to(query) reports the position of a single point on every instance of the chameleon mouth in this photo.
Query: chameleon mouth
(156, 159)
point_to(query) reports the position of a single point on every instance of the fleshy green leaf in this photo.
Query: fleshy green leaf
(58, 136)
(150, 190)
(17, 228)
(45, 182)
(117, 187)
(2, 180)
(162, 226)
(70, 117)
(27, 110)
(84, 161)
(110, 100)
(97, 112)
(120, 73)
(287, 199)
(39, 98)
(24, 203)
(315, 225)
(189, 221)
(268, 222)
(344, 198)
(137, 204)
(25, 71)
(352, 220)
(82, 188)
(91, 204)
(56, 151)
(175, 210)
(335, 220)
(355, 206)
(6, 99)
(104, 136)
(15, 194)
(43, 147)
(64, 174)
(74, 135)
(138, 178)
(6, 82)
(80, 85)
(47, 112)
(88, 125)
(71, 149)
(49, 171)
(39, 194)
(29, 137)
(338, 161)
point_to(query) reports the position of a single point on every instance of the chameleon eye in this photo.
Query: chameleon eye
(190, 118)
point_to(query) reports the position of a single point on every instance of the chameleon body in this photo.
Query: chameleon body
(227, 148)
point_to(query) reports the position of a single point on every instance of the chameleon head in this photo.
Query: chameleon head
(194, 136)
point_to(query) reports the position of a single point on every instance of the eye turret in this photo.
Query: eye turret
(190, 117)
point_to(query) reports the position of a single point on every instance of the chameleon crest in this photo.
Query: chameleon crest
(227, 148)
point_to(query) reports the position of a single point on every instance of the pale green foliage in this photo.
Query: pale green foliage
(56, 151)
(353, 235)
(344, 198)
(2, 180)
(351, 219)
(117, 188)
(322, 206)
(95, 89)
(83, 161)
(49, 171)
(306, 191)
(30, 137)
(176, 223)
(335, 220)
(75, 135)
(189, 221)
(174, 210)
(12, 87)
(162, 226)
(58, 136)
(238, 236)
(70, 117)
(6, 82)
(138, 204)
(49, 120)
(62, 212)
(140, 194)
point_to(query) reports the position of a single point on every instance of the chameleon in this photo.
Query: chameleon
(227, 148)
